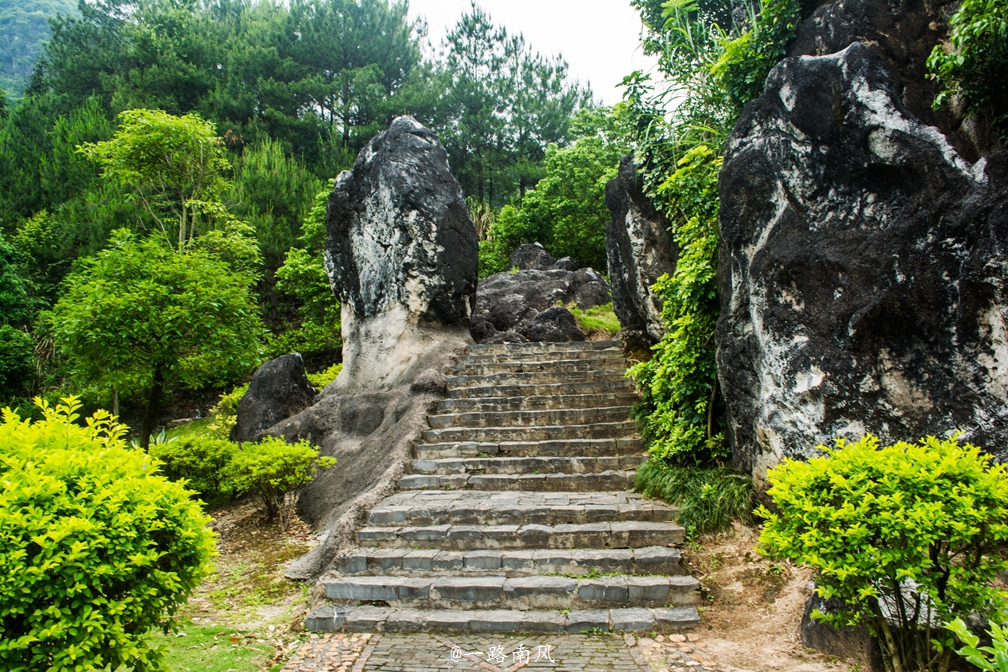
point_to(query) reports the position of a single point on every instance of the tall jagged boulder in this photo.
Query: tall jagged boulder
(862, 269)
(401, 252)
(639, 250)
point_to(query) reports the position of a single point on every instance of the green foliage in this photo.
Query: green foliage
(745, 61)
(977, 48)
(708, 499)
(903, 535)
(25, 28)
(225, 412)
(510, 229)
(175, 163)
(17, 360)
(597, 318)
(988, 658)
(200, 461)
(323, 378)
(303, 279)
(174, 320)
(15, 304)
(96, 547)
(273, 472)
(678, 384)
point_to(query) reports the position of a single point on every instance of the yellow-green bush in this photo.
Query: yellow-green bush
(200, 460)
(273, 472)
(96, 547)
(909, 526)
(225, 412)
(323, 378)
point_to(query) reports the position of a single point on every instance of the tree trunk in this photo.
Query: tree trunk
(150, 416)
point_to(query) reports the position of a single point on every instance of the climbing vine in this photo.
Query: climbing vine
(714, 63)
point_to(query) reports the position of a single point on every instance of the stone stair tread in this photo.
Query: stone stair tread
(519, 592)
(623, 534)
(583, 447)
(338, 618)
(601, 430)
(517, 365)
(614, 355)
(525, 418)
(574, 562)
(540, 388)
(533, 377)
(542, 463)
(551, 346)
(536, 402)
(553, 482)
(424, 507)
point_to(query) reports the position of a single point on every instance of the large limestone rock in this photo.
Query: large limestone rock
(402, 256)
(521, 304)
(639, 250)
(401, 253)
(278, 390)
(862, 269)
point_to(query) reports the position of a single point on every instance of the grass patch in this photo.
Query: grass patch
(215, 649)
(599, 318)
(708, 499)
(196, 428)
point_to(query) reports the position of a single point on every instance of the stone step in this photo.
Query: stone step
(615, 354)
(578, 562)
(546, 365)
(536, 402)
(600, 430)
(518, 592)
(536, 418)
(534, 378)
(339, 618)
(421, 508)
(603, 480)
(624, 445)
(499, 348)
(490, 389)
(454, 537)
(527, 465)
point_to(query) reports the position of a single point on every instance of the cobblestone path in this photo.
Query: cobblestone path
(392, 652)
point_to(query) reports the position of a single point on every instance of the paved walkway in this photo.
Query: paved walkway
(507, 653)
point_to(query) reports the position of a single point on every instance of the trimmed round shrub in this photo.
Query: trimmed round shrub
(96, 547)
(904, 535)
(200, 461)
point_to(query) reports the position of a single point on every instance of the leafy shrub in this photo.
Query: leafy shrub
(16, 361)
(708, 499)
(96, 547)
(977, 49)
(225, 412)
(978, 655)
(323, 378)
(201, 461)
(678, 384)
(273, 472)
(902, 535)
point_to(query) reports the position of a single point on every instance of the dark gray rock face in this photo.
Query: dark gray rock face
(278, 390)
(534, 257)
(852, 643)
(639, 250)
(522, 306)
(399, 232)
(862, 270)
(902, 33)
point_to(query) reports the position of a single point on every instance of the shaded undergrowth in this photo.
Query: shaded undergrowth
(709, 499)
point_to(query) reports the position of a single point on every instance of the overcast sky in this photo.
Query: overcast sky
(599, 39)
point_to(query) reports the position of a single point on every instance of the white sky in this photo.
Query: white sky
(599, 39)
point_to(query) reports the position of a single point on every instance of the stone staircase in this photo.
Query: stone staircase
(516, 515)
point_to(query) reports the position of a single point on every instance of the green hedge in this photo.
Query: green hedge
(96, 547)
